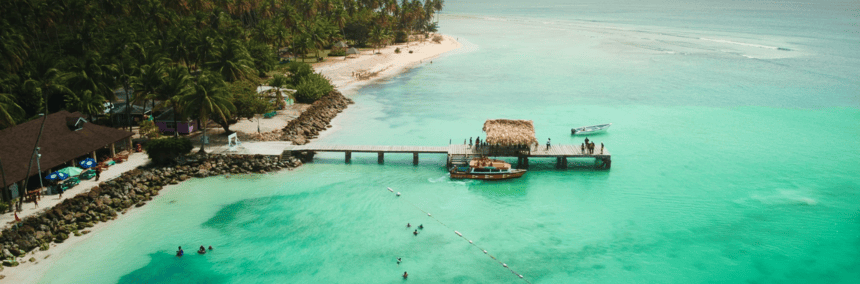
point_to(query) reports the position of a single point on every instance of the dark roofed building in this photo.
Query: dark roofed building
(66, 136)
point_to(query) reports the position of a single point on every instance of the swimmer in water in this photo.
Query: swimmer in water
(210, 247)
(202, 250)
(421, 226)
(405, 274)
(408, 225)
(415, 233)
(398, 260)
(180, 252)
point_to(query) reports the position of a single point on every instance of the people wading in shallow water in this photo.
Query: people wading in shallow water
(405, 274)
(415, 233)
(398, 261)
(180, 252)
(202, 250)
(421, 226)
(408, 225)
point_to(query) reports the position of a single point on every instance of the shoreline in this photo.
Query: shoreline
(384, 65)
(136, 187)
(339, 70)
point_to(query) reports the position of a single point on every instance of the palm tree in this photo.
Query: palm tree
(231, 60)
(44, 81)
(9, 110)
(174, 86)
(210, 97)
(86, 102)
(147, 82)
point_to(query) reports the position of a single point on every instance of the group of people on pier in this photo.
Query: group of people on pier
(478, 143)
(587, 147)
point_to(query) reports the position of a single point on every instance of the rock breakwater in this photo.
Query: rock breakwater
(315, 119)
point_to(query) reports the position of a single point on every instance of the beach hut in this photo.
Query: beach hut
(166, 123)
(352, 51)
(341, 44)
(509, 136)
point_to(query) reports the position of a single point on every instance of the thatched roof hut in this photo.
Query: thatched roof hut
(509, 132)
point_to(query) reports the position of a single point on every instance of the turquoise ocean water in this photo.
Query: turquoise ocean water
(735, 159)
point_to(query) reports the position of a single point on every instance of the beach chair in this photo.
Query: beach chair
(89, 174)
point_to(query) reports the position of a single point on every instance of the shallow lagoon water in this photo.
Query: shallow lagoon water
(731, 163)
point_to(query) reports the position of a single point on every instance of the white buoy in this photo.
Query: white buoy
(458, 233)
(389, 189)
(520, 275)
(428, 214)
(398, 193)
(470, 241)
(505, 265)
(485, 251)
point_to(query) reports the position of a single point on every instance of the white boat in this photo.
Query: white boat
(590, 129)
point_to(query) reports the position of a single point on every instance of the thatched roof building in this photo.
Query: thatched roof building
(66, 137)
(509, 132)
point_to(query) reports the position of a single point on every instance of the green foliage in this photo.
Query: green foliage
(397, 50)
(9, 111)
(279, 81)
(149, 129)
(264, 57)
(52, 50)
(86, 102)
(309, 86)
(337, 51)
(163, 151)
(401, 36)
(246, 100)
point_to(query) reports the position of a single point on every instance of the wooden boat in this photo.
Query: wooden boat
(590, 129)
(487, 169)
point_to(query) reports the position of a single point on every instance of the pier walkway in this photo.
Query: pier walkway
(456, 153)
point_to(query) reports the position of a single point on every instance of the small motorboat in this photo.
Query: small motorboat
(487, 169)
(590, 129)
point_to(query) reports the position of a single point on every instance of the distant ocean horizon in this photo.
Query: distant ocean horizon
(734, 142)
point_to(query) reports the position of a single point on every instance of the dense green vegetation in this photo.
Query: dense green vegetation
(73, 54)
(163, 151)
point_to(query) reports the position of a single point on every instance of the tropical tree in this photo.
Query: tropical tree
(9, 110)
(150, 77)
(86, 102)
(231, 60)
(44, 81)
(93, 75)
(175, 86)
(208, 99)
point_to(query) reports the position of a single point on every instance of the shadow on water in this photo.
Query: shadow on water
(167, 268)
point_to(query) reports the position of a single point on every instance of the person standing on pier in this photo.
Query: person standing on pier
(601, 148)
(547, 143)
(470, 142)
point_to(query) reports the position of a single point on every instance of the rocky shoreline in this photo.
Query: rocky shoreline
(316, 118)
(133, 189)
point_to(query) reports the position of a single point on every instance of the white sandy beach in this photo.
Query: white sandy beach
(339, 70)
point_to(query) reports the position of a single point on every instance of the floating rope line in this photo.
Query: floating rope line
(464, 238)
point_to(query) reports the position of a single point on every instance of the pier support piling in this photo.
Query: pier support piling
(380, 158)
(348, 156)
(415, 158)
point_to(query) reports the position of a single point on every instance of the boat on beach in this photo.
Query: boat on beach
(486, 169)
(590, 129)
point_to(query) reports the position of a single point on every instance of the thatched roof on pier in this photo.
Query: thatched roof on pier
(510, 132)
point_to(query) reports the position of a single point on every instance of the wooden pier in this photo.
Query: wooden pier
(457, 154)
